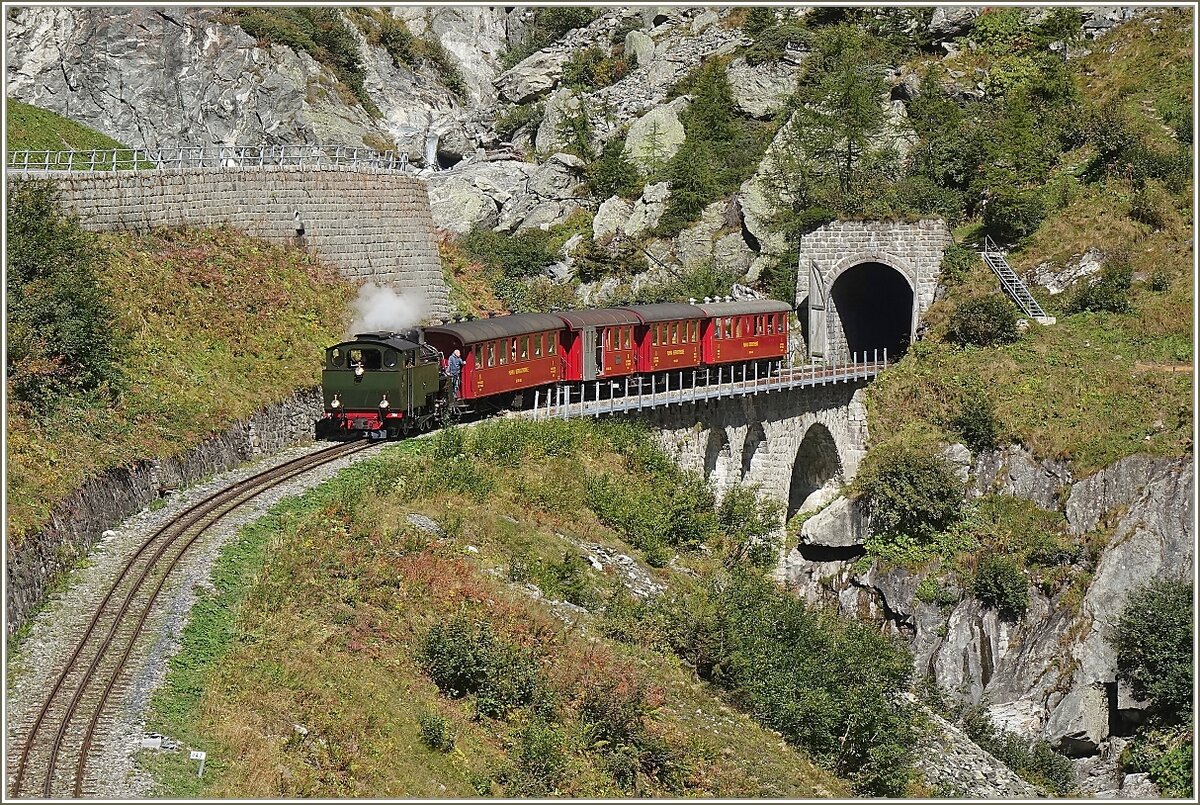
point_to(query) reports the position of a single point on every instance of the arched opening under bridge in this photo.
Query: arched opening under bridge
(756, 439)
(816, 471)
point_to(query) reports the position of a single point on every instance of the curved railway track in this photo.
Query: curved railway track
(58, 740)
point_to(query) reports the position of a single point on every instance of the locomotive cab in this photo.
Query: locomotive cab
(380, 384)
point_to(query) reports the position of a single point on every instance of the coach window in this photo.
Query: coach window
(781, 327)
(524, 347)
(502, 349)
(538, 341)
(551, 344)
(693, 335)
(771, 324)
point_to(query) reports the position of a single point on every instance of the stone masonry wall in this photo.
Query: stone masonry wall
(913, 249)
(371, 225)
(784, 418)
(112, 496)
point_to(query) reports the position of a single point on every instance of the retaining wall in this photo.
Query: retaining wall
(371, 225)
(109, 498)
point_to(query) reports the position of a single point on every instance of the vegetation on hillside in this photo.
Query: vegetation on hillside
(470, 652)
(31, 128)
(125, 347)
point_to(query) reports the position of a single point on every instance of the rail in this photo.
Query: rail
(616, 396)
(187, 158)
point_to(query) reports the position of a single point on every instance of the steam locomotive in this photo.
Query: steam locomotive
(391, 384)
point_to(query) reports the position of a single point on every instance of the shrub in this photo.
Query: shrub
(931, 591)
(1035, 762)
(909, 491)
(1109, 293)
(455, 655)
(612, 174)
(750, 526)
(593, 68)
(541, 760)
(984, 321)
(436, 731)
(976, 421)
(1000, 584)
(1167, 756)
(61, 334)
(509, 680)
(1013, 213)
(1153, 639)
(519, 255)
(512, 120)
(957, 262)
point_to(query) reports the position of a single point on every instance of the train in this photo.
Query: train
(392, 384)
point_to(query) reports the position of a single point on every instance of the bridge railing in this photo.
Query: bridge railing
(620, 395)
(190, 157)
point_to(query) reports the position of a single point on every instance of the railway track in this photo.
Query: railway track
(56, 743)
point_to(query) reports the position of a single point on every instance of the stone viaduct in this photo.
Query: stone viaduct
(371, 224)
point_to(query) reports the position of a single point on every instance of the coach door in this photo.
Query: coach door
(593, 354)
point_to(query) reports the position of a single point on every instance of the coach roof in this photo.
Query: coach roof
(612, 317)
(476, 330)
(665, 311)
(744, 307)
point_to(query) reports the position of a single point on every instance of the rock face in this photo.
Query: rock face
(762, 90)
(155, 77)
(841, 524)
(1078, 267)
(656, 136)
(1052, 675)
(951, 21)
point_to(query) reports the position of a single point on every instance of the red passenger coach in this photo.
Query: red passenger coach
(504, 354)
(668, 336)
(751, 330)
(598, 344)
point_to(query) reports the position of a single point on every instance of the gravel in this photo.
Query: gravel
(55, 630)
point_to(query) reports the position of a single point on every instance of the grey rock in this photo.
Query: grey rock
(641, 46)
(731, 251)
(695, 243)
(959, 456)
(558, 177)
(426, 524)
(534, 76)
(761, 90)
(703, 20)
(471, 194)
(1119, 484)
(951, 21)
(561, 103)
(657, 135)
(1013, 470)
(610, 218)
(1077, 268)
(1079, 722)
(648, 209)
(1099, 20)
(1139, 786)
(474, 36)
(897, 587)
(839, 525)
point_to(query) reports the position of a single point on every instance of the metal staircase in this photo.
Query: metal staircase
(994, 258)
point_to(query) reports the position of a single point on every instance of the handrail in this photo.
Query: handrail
(190, 157)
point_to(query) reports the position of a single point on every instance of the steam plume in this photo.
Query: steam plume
(379, 307)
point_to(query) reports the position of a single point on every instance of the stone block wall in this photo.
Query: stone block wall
(915, 250)
(371, 225)
(775, 424)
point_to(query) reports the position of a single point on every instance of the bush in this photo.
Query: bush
(985, 321)
(957, 262)
(541, 760)
(750, 526)
(509, 680)
(931, 591)
(455, 655)
(61, 335)
(1167, 756)
(1109, 293)
(976, 421)
(1000, 585)
(515, 256)
(512, 120)
(909, 491)
(1153, 639)
(592, 68)
(1035, 762)
(435, 731)
(1012, 213)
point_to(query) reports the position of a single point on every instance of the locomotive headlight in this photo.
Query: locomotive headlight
(335, 402)
(384, 402)
(358, 371)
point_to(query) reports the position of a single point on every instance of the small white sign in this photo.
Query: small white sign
(197, 755)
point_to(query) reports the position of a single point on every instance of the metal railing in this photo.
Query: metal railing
(637, 393)
(191, 157)
(994, 259)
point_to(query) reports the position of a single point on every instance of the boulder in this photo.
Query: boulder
(731, 251)
(459, 206)
(657, 135)
(610, 218)
(641, 46)
(1079, 722)
(841, 524)
(534, 76)
(1099, 20)
(1119, 484)
(703, 20)
(561, 103)
(950, 21)
(1078, 267)
(648, 209)
(1013, 470)
(558, 177)
(1139, 786)
(959, 456)
(761, 90)
(474, 36)
(695, 243)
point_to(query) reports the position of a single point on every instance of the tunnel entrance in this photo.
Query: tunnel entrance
(817, 469)
(874, 304)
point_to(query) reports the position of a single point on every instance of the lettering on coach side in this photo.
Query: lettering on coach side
(674, 352)
(524, 370)
(747, 344)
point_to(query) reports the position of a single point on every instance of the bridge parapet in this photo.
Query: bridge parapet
(196, 157)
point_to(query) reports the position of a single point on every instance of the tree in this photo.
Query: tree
(1154, 647)
(748, 524)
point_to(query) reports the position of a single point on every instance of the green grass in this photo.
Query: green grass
(320, 608)
(34, 129)
(202, 351)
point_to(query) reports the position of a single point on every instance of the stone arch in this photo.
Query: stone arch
(816, 471)
(874, 300)
(756, 439)
(718, 454)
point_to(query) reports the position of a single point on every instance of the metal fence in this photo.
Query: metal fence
(693, 385)
(229, 157)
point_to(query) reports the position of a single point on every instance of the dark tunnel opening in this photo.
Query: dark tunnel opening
(874, 303)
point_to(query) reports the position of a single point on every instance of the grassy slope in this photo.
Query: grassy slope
(323, 633)
(31, 128)
(1080, 389)
(218, 324)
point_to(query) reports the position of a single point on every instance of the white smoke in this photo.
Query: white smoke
(379, 307)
